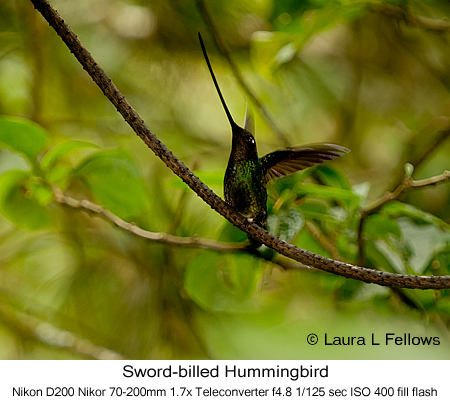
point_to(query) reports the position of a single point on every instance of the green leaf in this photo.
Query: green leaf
(41, 193)
(288, 182)
(23, 136)
(61, 150)
(397, 253)
(286, 225)
(318, 210)
(326, 192)
(396, 209)
(346, 243)
(440, 262)
(424, 241)
(59, 175)
(22, 200)
(379, 256)
(379, 226)
(115, 180)
(404, 232)
(331, 176)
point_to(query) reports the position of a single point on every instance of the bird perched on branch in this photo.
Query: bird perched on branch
(247, 174)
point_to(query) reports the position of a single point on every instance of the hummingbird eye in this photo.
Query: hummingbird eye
(251, 140)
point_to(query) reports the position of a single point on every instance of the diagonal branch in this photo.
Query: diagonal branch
(137, 124)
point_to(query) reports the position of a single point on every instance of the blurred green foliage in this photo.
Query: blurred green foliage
(354, 73)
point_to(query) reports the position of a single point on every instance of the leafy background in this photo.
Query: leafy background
(74, 286)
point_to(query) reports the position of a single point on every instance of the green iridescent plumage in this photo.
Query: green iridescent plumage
(242, 193)
(246, 175)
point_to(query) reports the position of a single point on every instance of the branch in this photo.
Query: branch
(30, 326)
(426, 149)
(137, 124)
(405, 15)
(223, 48)
(161, 237)
(406, 184)
(166, 238)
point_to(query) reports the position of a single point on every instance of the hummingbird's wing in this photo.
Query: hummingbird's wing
(287, 161)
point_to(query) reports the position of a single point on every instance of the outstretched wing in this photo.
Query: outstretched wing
(287, 161)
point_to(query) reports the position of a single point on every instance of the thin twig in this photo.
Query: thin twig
(426, 150)
(404, 14)
(261, 235)
(223, 48)
(406, 184)
(166, 238)
(162, 237)
(30, 326)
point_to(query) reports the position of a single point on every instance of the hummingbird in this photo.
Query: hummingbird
(247, 175)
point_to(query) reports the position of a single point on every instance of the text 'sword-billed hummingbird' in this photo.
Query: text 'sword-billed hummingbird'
(247, 174)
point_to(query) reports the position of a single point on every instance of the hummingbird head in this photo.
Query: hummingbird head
(243, 144)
